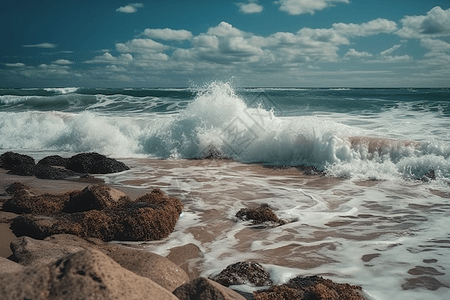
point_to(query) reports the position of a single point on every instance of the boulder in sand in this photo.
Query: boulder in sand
(10, 159)
(205, 289)
(88, 274)
(28, 251)
(54, 160)
(97, 197)
(95, 163)
(152, 216)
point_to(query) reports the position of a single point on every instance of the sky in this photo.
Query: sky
(169, 43)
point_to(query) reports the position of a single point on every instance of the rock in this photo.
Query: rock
(428, 176)
(54, 160)
(18, 187)
(40, 227)
(28, 251)
(88, 274)
(8, 266)
(311, 287)
(97, 197)
(10, 159)
(25, 201)
(187, 258)
(244, 273)
(150, 265)
(42, 171)
(152, 217)
(261, 214)
(95, 163)
(205, 289)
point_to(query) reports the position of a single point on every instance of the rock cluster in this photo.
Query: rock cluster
(97, 211)
(68, 267)
(57, 167)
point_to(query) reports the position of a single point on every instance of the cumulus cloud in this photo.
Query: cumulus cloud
(15, 65)
(110, 59)
(436, 23)
(373, 27)
(352, 53)
(168, 34)
(130, 8)
(141, 46)
(251, 7)
(298, 7)
(63, 62)
(42, 45)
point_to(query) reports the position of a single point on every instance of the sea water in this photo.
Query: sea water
(376, 218)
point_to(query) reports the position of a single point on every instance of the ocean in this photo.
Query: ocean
(362, 176)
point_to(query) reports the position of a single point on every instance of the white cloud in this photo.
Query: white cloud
(141, 46)
(42, 45)
(109, 59)
(298, 7)
(352, 53)
(225, 29)
(62, 62)
(390, 50)
(436, 23)
(130, 8)
(168, 34)
(15, 65)
(366, 29)
(252, 7)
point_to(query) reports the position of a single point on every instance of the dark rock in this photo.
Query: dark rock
(95, 163)
(244, 273)
(40, 227)
(54, 160)
(428, 176)
(88, 274)
(16, 187)
(42, 171)
(96, 197)
(24, 201)
(261, 214)
(311, 288)
(152, 217)
(205, 289)
(10, 159)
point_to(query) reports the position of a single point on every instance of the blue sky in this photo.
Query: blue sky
(296, 43)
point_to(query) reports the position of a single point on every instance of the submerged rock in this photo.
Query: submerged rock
(259, 215)
(88, 274)
(311, 288)
(244, 273)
